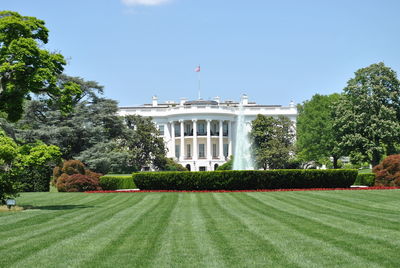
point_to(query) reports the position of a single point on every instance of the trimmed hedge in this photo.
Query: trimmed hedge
(367, 179)
(114, 182)
(246, 180)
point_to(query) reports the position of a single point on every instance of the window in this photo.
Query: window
(177, 130)
(225, 128)
(188, 151)
(201, 129)
(226, 147)
(202, 150)
(177, 150)
(214, 150)
(202, 168)
(214, 129)
(188, 129)
(161, 129)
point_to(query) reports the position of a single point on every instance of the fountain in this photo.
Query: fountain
(243, 159)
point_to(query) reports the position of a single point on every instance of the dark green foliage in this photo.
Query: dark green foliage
(388, 171)
(315, 140)
(26, 168)
(367, 179)
(26, 68)
(9, 187)
(143, 143)
(105, 157)
(245, 180)
(168, 164)
(227, 166)
(272, 141)
(92, 122)
(38, 161)
(367, 117)
(94, 133)
(114, 182)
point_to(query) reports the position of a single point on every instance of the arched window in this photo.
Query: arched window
(216, 166)
(188, 167)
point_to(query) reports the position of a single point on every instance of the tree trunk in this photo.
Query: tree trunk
(335, 162)
(376, 158)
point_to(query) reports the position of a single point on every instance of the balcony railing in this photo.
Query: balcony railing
(189, 134)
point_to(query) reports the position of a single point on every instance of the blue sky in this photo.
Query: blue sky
(274, 51)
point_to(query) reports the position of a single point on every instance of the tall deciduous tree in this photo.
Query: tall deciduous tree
(316, 140)
(25, 67)
(142, 142)
(367, 117)
(272, 140)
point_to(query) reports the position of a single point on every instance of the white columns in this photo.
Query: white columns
(182, 140)
(195, 154)
(230, 138)
(209, 156)
(221, 140)
(172, 148)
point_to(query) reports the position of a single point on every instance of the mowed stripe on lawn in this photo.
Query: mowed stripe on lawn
(279, 229)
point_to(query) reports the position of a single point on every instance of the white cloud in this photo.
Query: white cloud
(144, 2)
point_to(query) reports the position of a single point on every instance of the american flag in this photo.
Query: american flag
(197, 69)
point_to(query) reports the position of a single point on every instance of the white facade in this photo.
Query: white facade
(200, 135)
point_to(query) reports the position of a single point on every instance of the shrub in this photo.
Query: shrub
(69, 167)
(109, 182)
(72, 176)
(245, 180)
(171, 165)
(387, 173)
(226, 166)
(77, 183)
(367, 179)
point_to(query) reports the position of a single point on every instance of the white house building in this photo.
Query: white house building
(201, 134)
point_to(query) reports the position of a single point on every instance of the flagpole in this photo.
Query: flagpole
(198, 77)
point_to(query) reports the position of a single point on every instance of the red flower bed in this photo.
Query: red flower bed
(239, 191)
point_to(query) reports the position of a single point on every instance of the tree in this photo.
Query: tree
(93, 121)
(73, 176)
(367, 117)
(36, 166)
(142, 142)
(272, 141)
(106, 157)
(25, 67)
(316, 140)
(9, 187)
(387, 173)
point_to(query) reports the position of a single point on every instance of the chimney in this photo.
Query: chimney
(155, 101)
(245, 99)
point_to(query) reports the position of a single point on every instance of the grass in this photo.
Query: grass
(365, 170)
(275, 229)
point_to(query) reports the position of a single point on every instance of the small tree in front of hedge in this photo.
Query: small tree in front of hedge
(388, 171)
(72, 176)
(227, 166)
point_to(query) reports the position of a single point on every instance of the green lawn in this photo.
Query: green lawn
(272, 229)
(365, 170)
